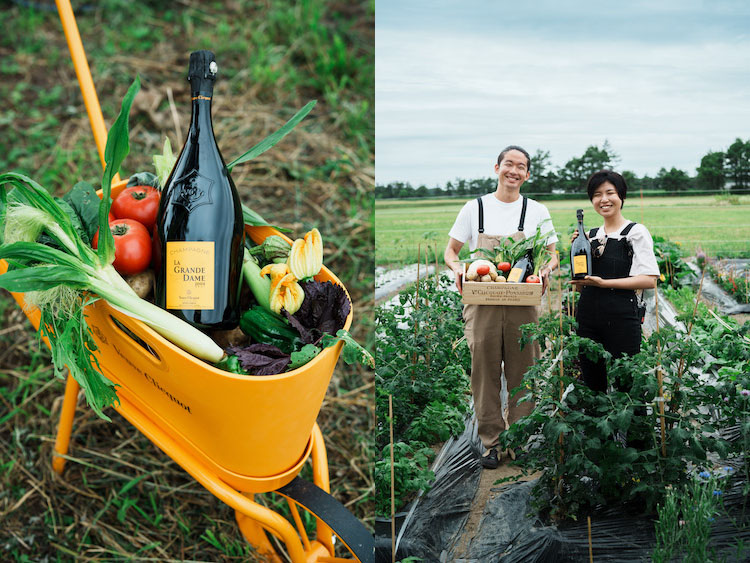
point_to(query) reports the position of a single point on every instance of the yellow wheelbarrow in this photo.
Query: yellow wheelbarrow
(236, 435)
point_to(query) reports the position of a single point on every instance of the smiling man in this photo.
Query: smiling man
(492, 331)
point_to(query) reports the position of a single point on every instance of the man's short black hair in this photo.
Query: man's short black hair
(598, 178)
(515, 148)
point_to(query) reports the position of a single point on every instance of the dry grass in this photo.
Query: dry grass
(120, 497)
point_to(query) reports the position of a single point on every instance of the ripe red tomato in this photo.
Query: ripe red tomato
(503, 266)
(483, 270)
(132, 246)
(138, 202)
(111, 217)
(532, 279)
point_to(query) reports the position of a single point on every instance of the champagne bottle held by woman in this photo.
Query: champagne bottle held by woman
(580, 252)
(199, 231)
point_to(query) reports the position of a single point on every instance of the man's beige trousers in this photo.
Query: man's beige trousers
(492, 332)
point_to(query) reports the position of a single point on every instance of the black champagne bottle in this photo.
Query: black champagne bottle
(199, 231)
(580, 252)
(522, 269)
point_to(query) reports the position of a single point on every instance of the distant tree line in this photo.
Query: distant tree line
(721, 170)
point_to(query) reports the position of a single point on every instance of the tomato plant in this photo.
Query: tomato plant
(138, 202)
(132, 246)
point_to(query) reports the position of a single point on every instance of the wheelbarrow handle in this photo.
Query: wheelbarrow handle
(83, 72)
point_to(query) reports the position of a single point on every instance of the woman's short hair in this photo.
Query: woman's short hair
(598, 178)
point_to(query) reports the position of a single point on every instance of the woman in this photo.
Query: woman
(623, 261)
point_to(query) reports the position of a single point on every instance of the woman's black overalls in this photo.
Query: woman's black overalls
(608, 316)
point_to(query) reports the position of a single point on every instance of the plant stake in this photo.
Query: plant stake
(560, 438)
(393, 485)
(660, 379)
(689, 330)
(416, 304)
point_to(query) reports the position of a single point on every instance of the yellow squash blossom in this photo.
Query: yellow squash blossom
(277, 271)
(306, 256)
(286, 294)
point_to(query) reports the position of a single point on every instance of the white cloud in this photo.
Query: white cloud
(463, 96)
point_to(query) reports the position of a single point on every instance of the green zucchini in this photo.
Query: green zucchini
(267, 327)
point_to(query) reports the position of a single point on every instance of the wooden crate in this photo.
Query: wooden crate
(493, 293)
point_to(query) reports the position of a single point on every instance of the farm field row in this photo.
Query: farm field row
(717, 227)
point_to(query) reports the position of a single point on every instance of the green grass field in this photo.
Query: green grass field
(402, 227)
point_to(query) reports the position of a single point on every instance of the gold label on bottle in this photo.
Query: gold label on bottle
(190, 275)
(579, 264)
(515, 275)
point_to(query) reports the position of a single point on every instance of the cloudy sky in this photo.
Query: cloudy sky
(663, 82)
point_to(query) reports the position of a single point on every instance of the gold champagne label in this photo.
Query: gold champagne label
(515, 275)
(190, 275)
(579, 264)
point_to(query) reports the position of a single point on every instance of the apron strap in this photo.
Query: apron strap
(626, 230)
(481, 215)
(523, 214)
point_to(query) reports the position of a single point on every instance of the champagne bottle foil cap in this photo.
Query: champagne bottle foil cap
(202, 66)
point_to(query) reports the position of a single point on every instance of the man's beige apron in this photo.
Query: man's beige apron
(493, 334)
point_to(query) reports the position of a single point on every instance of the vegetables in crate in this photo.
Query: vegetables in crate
(511, 252)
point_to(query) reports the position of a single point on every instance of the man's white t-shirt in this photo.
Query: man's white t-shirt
(644, 260)
(501, 219)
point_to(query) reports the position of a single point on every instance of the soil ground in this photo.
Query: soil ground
(486, 491)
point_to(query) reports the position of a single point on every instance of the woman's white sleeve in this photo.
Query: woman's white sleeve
(644, 260)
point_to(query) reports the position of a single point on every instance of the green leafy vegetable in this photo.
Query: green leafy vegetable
(85, 203)
(301, 357)
(231, 364)
(261, 359)
(353, 351)
(144, 179)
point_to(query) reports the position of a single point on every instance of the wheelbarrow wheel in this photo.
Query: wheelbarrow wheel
(329, 516)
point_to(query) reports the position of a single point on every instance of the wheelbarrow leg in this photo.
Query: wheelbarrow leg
(65, 426)
(256, 536)
(321, 479)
